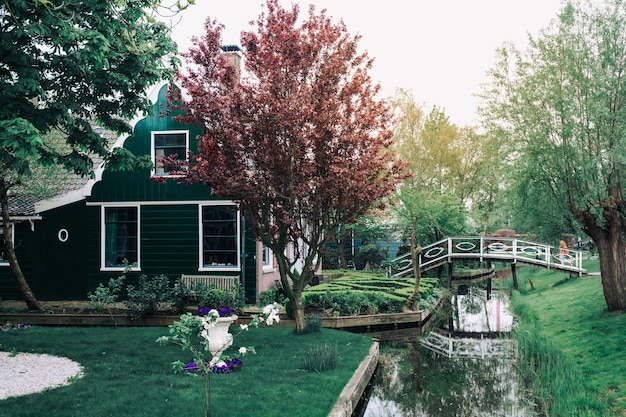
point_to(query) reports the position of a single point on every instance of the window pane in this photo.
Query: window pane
(169, 140)
(120, 236)
(168, 144)
(219, 236)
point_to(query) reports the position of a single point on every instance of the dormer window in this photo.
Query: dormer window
(167, 144)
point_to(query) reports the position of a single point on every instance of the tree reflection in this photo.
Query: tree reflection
(416, 382)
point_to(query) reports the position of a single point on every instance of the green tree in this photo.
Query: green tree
(431, 202)
(66, 65)
(561, 104)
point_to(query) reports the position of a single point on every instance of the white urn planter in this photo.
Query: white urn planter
(218, 335)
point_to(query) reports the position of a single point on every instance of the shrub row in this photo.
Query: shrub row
(151, 294)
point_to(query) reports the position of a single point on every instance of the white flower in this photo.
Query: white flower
(268, 309)
(271, 311)
(243, 350)
(244, 327)
(272, 318)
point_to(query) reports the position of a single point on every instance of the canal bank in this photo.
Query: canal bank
(465, 369)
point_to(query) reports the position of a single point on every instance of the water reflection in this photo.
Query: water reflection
(414, 381)
(444, 387)
(479, 311)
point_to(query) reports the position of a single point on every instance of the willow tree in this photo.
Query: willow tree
(298, 138)
(64, 66)
(562, 105)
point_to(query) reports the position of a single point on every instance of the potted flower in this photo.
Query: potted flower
(190, 330)
(217, 313)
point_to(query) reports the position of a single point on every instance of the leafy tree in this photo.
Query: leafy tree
(66, 65)
(300, 140)
(561, 103)
(431, 202)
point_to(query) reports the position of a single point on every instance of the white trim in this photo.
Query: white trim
(20, 218)
(164, 203)
(269, 266)
(5, 262)
(152, 153)
(63, 235)
(238, 241)
(137, 265)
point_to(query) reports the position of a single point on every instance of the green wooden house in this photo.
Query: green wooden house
(67, 245)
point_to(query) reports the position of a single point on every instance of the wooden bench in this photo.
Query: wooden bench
(221, 282)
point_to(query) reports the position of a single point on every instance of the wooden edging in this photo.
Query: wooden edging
(354, 389)
(416, 318)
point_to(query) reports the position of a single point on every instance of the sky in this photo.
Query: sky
(440, 50)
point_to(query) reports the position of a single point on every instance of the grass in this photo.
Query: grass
(566, 323)
(128, 374)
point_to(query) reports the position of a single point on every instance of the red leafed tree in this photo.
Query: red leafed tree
(298, 138)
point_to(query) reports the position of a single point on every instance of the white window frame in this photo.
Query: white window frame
(153, 150)
(5, 262)
(267, 259)
(103, 267)
(238, 243)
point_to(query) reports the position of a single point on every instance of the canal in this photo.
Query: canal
(465, 367)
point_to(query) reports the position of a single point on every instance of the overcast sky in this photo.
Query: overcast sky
(438, 49)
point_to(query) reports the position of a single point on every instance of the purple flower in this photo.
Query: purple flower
(203, 311)
(226, 311)
(222, 311)
(191, 367)
(227, 366)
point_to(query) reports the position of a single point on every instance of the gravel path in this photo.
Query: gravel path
(26, 373)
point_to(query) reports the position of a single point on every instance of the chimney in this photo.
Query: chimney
(233, 55)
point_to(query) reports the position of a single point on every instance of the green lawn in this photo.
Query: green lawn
(571, 315)
(128, 374)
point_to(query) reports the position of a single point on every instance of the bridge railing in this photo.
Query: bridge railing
(468, 347)
(491, 248)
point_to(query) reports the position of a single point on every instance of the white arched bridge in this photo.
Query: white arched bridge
(494, 249)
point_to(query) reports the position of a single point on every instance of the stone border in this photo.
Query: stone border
(354, 389)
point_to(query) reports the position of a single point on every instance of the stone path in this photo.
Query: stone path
(27, 373)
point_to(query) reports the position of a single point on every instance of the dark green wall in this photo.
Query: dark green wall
(169, 232)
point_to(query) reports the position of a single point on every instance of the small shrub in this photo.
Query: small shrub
(105, 296)
(271, 296)
(183, 296)
(144, 298)
(369, 254)
(239, 296)
(320, 358)
(216, 298)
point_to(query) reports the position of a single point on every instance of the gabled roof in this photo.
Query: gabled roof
(23, 205)
(22, 202)
(73, 187)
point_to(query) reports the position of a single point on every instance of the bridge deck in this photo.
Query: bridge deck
(496, 249)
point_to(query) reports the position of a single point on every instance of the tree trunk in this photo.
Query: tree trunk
(293, 290)
(298, 311)
(28, 295)
(612, 252)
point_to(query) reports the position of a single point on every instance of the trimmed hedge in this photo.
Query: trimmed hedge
(355, 293)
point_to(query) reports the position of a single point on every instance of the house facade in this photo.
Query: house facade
(67, 245)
